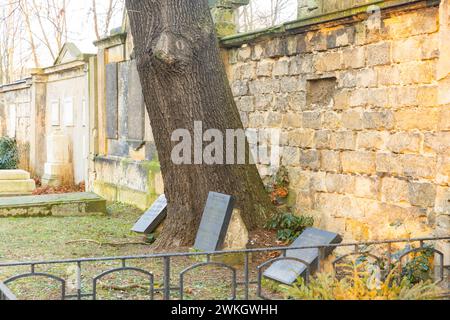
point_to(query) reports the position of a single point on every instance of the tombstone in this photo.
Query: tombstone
(288, 271)
(136, 107)
(153, 217)
(215, 221)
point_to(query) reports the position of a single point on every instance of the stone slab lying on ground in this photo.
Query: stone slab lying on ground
(153, 217)
(14, 175)
(52, 205)
(288, 271)
(215, 222)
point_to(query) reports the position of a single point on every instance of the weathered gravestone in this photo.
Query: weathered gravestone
(288, 271)
(153, 217)
(215, 222)
(112, 102)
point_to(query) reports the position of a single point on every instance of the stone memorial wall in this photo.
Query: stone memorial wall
(363, 109)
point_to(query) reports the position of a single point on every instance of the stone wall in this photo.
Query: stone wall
(364, 117)
(310, 8)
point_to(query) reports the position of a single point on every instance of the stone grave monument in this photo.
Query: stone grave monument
(153, 217)
(215, 222)
(288, 271)
(57, 169)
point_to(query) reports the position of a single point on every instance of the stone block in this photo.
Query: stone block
(367, 187)
(244, 53)
(367, 78)
(442, 205)
(340, 183)
(354, 57)
(388, 75)
(437, 142)
(352, 120)
(248, 71)
(405, 142)
(422, 194)
(322, 139)
(310, 159)
(240, 88)
(273, 120)
(417, 166)
(17, 187)
(420, 119)
(281, 68)
(263, 102)
(343, 140)
(330, 161)
(264, 68)
(292, 120)
(388, 163)
(372, 140)
(312, 120)
(303, 138)
(290, 156)
(291, 84)
(358, 162)
(394, 190)
(327, 62)
(378, 120)
(409, 49)
(443, 169)
(342, 100)
(332, 120)
(246, 104)
(417, 72)
(14, 175)
(378, 54)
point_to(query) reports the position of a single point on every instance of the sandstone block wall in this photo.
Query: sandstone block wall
(365, 127)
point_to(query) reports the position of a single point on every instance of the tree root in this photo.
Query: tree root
(112, 244)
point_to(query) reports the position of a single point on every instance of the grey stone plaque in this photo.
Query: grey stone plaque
(112, 102)
(288, 271)
(215, 221)
(136, 105)
(153, 217)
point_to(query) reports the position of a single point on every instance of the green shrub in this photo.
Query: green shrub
(289, 226)
(9, 155)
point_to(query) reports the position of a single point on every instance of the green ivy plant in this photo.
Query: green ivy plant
(289, 226)
(9, 154)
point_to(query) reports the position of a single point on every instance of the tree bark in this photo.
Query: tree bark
(183, 80)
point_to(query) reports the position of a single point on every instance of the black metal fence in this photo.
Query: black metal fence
(246, 277)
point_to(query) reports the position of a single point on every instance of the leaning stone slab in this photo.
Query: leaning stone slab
(215, 222)
(14, 175)
(153, 217)
(288, 271)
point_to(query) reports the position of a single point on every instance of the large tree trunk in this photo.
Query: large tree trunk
(183, 80)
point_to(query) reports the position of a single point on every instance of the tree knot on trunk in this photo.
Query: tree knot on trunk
(172, 49)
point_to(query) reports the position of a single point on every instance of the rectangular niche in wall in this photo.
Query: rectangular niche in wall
(320, 92)
(55, 113)
(68, 113)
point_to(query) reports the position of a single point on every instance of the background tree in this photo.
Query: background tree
(183, 80)
(259, 14)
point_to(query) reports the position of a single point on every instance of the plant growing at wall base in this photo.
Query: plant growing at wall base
(289, 226)
(278, 187)
(9, 154)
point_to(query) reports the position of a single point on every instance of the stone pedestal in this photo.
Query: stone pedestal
(58, 169)
(16, 183)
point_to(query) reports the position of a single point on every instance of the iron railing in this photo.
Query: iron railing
(5, 293)
(173, 286)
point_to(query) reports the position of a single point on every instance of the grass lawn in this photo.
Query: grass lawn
(60, 238)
